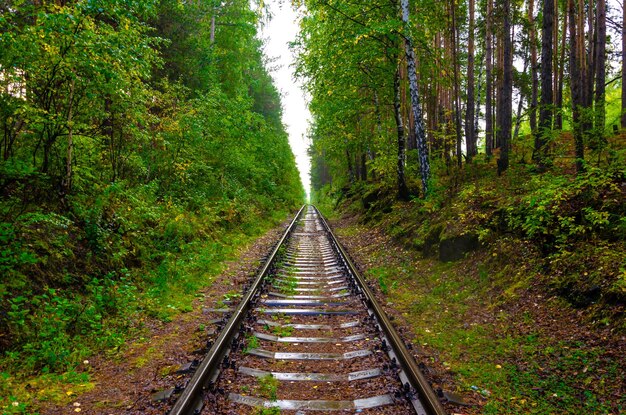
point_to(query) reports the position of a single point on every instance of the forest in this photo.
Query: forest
(481, 145)
(477, 148)
(141, 144)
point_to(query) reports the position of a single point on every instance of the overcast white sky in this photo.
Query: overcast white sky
(277, 33)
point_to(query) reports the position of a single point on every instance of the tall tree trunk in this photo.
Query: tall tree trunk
(545, 108)
(588, 65)
(533, 67)
(507, 90)
(576, 84)
(558, 100)
(591, 55)
(600, 49)
(470, 137)
(403, 191)
(432, 101)
(499, 84)
(477, 110)
(555, 54)
(457, 86)
(420, 135)
(624, 66)
(489, 80)
(584, 54)
(411, 143)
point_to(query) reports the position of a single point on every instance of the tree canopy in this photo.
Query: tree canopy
(136, 135)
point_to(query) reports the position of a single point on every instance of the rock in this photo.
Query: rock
(432, 239)
(455, 398)
(455, 247)
(369, 198)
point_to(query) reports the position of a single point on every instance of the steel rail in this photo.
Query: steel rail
(406, 360)
(191, 397)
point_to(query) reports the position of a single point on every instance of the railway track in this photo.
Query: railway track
(307, 337)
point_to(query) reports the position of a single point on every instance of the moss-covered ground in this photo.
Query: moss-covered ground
(530, 319)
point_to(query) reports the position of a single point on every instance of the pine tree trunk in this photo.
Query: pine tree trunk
(576, 86)
(470, 137)
(558, 121)
(591, 55)
(457, 86)
(545, 109)
(477, 109)
(600, 61)
(506, 108)
(533, 67)
(420, 136)
(499, 85)
(624, 67)
(489, 80)
(555, 54)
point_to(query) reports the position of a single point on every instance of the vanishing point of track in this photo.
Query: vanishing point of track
(307, 337)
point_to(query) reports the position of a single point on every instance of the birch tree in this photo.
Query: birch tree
(420, 134)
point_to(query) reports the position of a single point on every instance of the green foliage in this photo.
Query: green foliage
(252, 342)
(49, 325)
(289, 282)
(178, 156)
(561, 210)
(282, 331)
(384, 275)
(274, 410)
(572, 226)
(268, 387)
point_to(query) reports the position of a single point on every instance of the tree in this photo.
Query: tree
(623, 118)
(506, 104)
(454, 33)
(489, 142)
(544, 132)
(558, 95)
(576, 82)
(470, 107)
(416, 108)
(403, 191)
(533, 66)
(600, 75)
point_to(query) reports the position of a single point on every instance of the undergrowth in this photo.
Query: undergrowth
(551, 253)
(82, 283)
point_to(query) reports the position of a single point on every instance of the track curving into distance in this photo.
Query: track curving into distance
(308, 338)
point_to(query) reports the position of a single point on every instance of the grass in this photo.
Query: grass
(282, 331)
(252, 342)
(268, 387)
(290, 283)
(520, 373)
(16, 395)
(268, 411)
